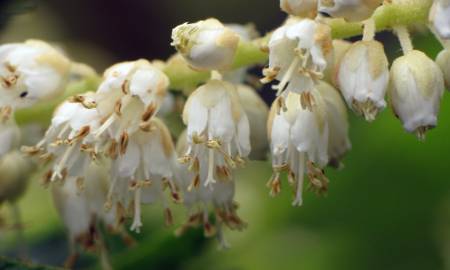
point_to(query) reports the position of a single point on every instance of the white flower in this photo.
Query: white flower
(81, 207)
(206, 45)
(200, 199)
(130, 94)
(299, 143)
(257, 112)
(301, 8)
(440, 18)
(69, 141)
(363, 78)
(143, 165)
(30, 72)
(351, 10)
(443, 60)
(416, 89)
(337, 118)
(298, 55)
(217, 127)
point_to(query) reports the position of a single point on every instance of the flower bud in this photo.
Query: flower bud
(300, 8)
(30, 72)
(440, 17)
(15, 170)
(350, 10)
(415, 90)
(443, 60)
(363, 78)
(206, 45)
(337, 118)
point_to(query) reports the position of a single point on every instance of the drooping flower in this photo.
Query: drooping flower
(217, 128)
(130, 94)
(439, 17)
(206, 45)
(299, 144)
(350, 10)
(200, 199)
(30, 72)
(298, 55)
(142, 167)
(301, 8)
(81, 210)
(337, 118)
(69, 143)
(415, 91)
(363, 77)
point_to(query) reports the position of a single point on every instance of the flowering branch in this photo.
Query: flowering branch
(250, 53)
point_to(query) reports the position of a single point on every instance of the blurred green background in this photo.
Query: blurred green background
(389, 208)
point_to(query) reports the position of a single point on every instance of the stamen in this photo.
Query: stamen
(287, 76)
(111, 119)
(137, 223)
(210, 178)
(62, 163)
(298, 201)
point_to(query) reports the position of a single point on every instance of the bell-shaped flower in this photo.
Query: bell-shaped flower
(299, 144)
(350, 10)
(440, 18)
(415, 91)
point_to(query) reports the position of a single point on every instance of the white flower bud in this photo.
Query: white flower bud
(257, 111)
(299, 52)
(415, 91)
(363, 78)
(30, 72)
(443, 60)
(300, 8)
(338, 140)
(351, 10)
(206, 45)
(15, 170)
(440, 17)
(299, 143)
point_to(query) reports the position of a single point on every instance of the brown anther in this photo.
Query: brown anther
(223, 173)
(46, 157)
(149, 112)
(30, 150)
(83, 132)
(184, 159)
(64, 173)
(76, 99)
(120, 214)
(118, 107)
(123, 143)
(307, 101)
(291, 177)
(126, 87)
(280, 168)
(239, 161)
(146, 183)
(133, 185)
(112, 149)
(194, 166)
(168, 217)
(214, 144)
(46, 178)
(208, 229)
(269, 74)
(274, 184)
(5, 113)
(147, 127)
(198, 139)
(195, 183)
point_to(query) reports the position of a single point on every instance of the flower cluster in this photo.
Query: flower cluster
(110, 151)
